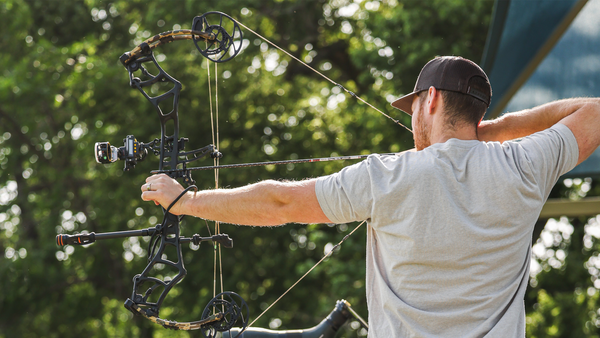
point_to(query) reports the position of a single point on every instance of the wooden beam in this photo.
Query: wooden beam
(589, 206)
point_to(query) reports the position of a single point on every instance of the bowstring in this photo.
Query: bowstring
(323, 76)
(358, 226)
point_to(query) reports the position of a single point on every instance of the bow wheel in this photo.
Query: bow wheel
(233, 309)
(225, 33)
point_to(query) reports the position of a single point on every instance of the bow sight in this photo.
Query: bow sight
(132, 152)
(221, 37)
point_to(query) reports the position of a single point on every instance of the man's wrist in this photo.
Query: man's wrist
(184, 204)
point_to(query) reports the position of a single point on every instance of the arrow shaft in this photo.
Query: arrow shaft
(260, 164)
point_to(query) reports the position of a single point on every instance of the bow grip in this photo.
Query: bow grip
(80, 239)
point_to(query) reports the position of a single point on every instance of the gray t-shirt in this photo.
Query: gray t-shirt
(449, 231)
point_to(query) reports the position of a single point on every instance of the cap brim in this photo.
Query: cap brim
(405, 103)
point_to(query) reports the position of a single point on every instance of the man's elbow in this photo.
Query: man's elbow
(585, 125)
(295, 202)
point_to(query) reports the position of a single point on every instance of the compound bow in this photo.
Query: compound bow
(226, 309)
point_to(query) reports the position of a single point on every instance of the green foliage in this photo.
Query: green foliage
(62, 89)
(563, 298)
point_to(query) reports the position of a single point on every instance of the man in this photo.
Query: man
(450, 224)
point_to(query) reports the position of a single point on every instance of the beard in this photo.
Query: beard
(421, 130)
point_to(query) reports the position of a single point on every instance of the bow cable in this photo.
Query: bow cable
(322, 75)
(216, 161)
(305, 274)
(214, 123)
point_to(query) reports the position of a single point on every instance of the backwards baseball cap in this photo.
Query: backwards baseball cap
(451, 73)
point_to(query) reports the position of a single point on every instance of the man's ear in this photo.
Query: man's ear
(432, 99)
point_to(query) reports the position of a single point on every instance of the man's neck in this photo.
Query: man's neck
(441, 133)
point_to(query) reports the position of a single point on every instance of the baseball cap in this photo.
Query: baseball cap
(452, 73)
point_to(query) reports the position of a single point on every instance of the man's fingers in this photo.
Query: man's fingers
(156, 177)
(153, 178)
(148, 187)
(152, 186)
(147, 195)
(160, 188)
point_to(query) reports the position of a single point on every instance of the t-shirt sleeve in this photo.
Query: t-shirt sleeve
(551, 153)
(346, 196)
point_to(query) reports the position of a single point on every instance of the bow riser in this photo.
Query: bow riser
(169, 149)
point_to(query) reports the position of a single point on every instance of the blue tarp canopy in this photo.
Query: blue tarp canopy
(539, 51)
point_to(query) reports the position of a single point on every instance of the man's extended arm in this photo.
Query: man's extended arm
(581, 115)
(264, 203)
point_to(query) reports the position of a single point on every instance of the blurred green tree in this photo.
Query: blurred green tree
(62, 88)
